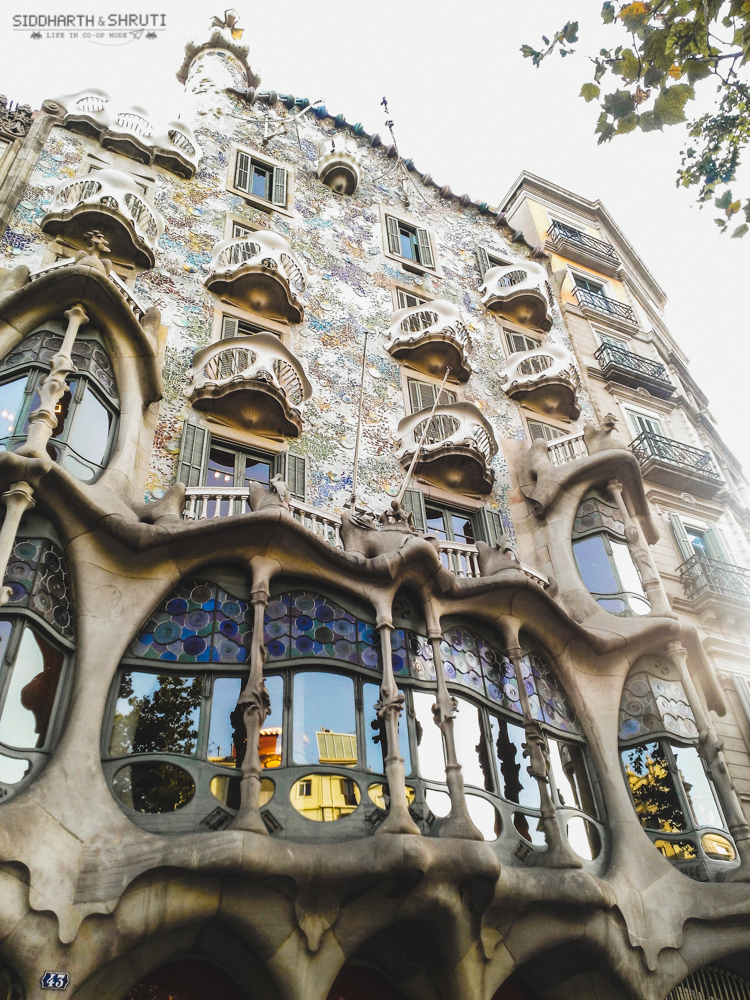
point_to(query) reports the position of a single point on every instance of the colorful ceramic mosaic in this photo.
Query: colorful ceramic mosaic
(655, 705)
(301, 624)
(198, 623)
(38, 580)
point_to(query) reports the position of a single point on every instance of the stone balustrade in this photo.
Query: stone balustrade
(567, 449)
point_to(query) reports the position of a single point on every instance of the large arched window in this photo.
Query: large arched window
(175, 740)
(86, 415)
(36, 642)
(603, 557)
(673, 795)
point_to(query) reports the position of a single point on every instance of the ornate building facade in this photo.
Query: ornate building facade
(375, 605)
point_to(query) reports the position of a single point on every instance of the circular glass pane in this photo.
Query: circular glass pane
(484, 816)
(439, 803)
(380, 794)
(227, 790)
(325, 797)
(584, 838)
(530, 828)
(717, 847)
(153, 787)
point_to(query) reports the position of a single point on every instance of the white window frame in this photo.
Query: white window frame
(397, 290)
(409, 265)
(491, 257)
(509, 332)
(412, 375)
(631, 412)
(280, 329)
(271, 163)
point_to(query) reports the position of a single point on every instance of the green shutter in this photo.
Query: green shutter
(229, 327)
(483, 261)
(279, 186)
(680, 536)
(488, 525)
(715, 544)
(192, 450)
(422, 395)
(425, 249)
(394, 240)
(242, 172)
(296, 477)
(414, 502)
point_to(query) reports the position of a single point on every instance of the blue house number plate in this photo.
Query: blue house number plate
(55, 981)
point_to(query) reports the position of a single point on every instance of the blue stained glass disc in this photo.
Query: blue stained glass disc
(630, 727)
(494, 692)
(303, 644)
(194, 645)
(231, 609)
(303, 623)
(304, 603)
(370, 658)
(368, 635)
(229, 628)
(166, 632)
(344, 649)
(275, 629)
(276, 648)
(276, 609)
(198, 619)
(344, 628)
(177, 606)
(450, 671)
(325, 613)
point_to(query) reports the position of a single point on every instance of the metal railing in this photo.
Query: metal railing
(603, 304)
(710, 983)
(700, 575)
(609, 354)
(567, 449)
(561, 231)
(209, 502)
(683, 456)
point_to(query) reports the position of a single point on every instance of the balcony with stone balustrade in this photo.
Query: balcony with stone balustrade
(260, 272)
(251, 384)
(132, 131)
(519, 292)
(458, 445)
(545, 379)
(339, 164)
(110, 202)
(431, 337)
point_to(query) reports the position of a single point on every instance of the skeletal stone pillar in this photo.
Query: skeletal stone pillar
(389, 708)
(559, 852)
(641, 557)
(18, 499)
(458, 823)
(712, 751)
(255, 703)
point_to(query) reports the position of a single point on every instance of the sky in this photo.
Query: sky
(467, 108)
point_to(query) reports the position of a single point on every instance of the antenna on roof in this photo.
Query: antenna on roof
(282, 130)
(399, 163)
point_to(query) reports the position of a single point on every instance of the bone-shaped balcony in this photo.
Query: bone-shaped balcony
(546, 379)
(431, 336)
(250, 383)
(518, 292)
(110, 202)
(457, 449)
(338, 164)
(259, 272)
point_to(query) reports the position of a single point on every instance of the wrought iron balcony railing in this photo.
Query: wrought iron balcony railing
(649, 446)
(601, 303)
(598, 248)
(609, 354)
(701, 575)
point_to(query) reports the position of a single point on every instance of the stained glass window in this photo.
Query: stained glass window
(39, 581)
(304, 624)
(198, 623)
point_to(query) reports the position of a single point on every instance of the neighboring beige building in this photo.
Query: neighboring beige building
(376, 588)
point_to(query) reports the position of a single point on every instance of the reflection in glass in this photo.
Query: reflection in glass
(530, 828)
(516, 784)
(652, 787)
(222, 745)
(484, 816)
(324, 730)
(470, 746)
(429, 738)
(583, 837)
(439, 803)
(571, 777)
(325, 797)
(375, 735)
(679, 850)
(31, 692)
(227, 790)
(92, 426)
(153, 786)
(156, 713)
(697, 787)
(271, 733)
(717, 847)
(12, 769)
(11, 401)
(626, 568)
(594, 565)
(380, 794)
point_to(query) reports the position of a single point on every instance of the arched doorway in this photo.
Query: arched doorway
(187, 980)
(359, 983)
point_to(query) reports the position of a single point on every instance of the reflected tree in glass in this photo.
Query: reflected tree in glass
(156, 713)
(652, 786)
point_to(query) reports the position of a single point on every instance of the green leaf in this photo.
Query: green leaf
(528, 52)
(628, 66)
(670, 104)
(619, 104)
(608, 12)
(724, 201)
(627, 124)
(740, 231)
(635, 16)
(649, 121)
(589, 92)
(570, 32)
(696, 69)
(746, 210)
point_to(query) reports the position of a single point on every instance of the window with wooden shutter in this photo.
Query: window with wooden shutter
(543, 432)
(279, 186)
(242, 172)
(406, 299)
(413, 502)
(425, 248)
(644, 424)
(229, 327)
(422, 395)
(488, 525)
(518, 342)
(483, 261)
(684, 544)
(192, 455)
(715, 544)
(394, 238)
(296, 475)
(238, 230)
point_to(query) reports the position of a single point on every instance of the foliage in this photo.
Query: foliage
(669, 46)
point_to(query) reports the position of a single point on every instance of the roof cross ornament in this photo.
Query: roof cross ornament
(229, 23)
